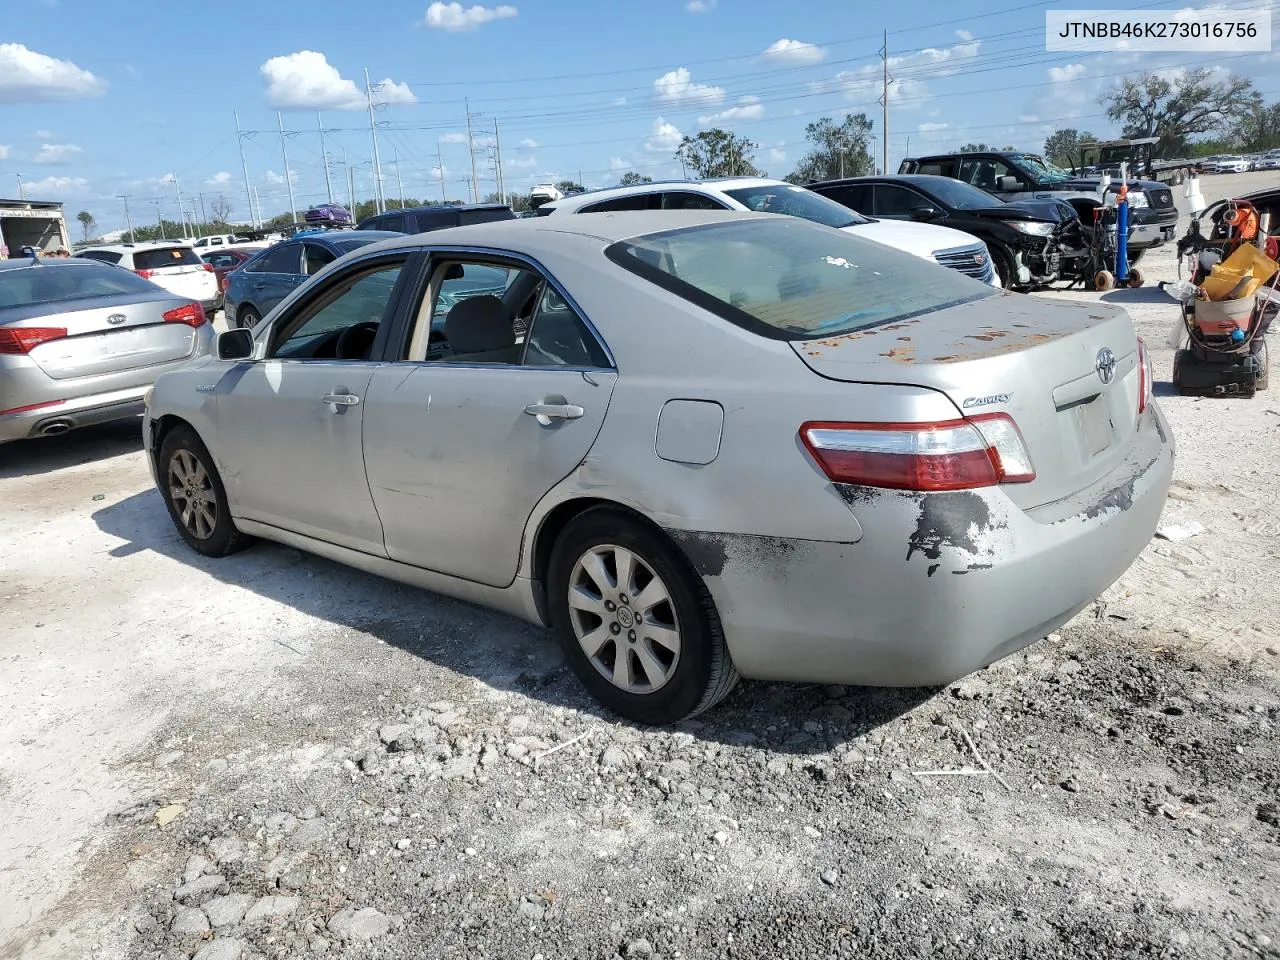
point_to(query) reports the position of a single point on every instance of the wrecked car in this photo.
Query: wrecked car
(697, 445)
(1027, 239)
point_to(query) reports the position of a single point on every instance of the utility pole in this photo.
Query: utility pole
(399, 179)
(182, 211)
(440, 170)
(884, 102)
(203, 218)
(908, 144)
(471, 146)
(288, 180)
(351, 189)
(248, 188)
(159, 219)
(324, 158)
(379, 202)
(255, 208)
(497, 146)
(22, 191)
(127, 219)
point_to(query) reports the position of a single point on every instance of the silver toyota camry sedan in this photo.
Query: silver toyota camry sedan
(697, 446)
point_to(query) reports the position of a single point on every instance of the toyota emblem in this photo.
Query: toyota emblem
(116, 319)
(1106, 365)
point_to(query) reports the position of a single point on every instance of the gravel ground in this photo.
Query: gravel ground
(273, 756)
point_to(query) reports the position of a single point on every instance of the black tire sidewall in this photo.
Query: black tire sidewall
(699, 631)
(246, 317)
(224, 529)
(1004, 265)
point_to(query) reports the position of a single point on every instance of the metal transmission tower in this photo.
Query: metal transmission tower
(884, 102)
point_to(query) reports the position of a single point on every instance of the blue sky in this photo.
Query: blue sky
(95, 103)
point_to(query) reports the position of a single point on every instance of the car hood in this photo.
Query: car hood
(1043, 210)
(921, 239)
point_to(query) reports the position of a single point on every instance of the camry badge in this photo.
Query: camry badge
(1106, 365)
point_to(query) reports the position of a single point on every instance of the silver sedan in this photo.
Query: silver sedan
(82, 341)
(697, 445)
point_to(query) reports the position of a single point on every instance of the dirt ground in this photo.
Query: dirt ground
(274, 756)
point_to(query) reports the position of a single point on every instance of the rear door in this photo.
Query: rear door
(178, 269)
(272, 277)
(112, 320)
(855, 196)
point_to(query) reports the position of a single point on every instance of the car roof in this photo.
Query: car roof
(128, 247)
(429, 208)
(923, 179)
(18, 262)
(712, 185)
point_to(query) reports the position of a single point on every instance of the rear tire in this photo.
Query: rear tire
(247, 317)
(193, 492)
(636, 597)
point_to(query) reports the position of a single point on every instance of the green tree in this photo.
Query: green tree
(631, 179)
(838, 150)
(718, 153)
(570, 186)
(1176, 109)
(1065, 146)
(87, 223)
(1260, 129)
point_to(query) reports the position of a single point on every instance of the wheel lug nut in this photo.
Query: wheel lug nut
(610, 606)
(615, 629)
(631, 635)
(625, 598)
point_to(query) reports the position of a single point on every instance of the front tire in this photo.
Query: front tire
(1005, 270)
(635, 621)
(193, 492)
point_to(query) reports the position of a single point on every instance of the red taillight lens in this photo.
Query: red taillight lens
(224, 283)
(979, 451)
(21, 340)
(192, 315)
(208, 267)
(1144, 377)
(145, 274)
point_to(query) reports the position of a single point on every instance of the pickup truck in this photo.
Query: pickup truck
(1011, 175)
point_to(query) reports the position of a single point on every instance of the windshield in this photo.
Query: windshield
(786, 279)
(959, 195)
(795, 201)
(1043, 170)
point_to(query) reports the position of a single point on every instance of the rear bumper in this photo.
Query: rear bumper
(72, 414)
(938, 585)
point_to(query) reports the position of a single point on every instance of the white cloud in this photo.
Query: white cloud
(438, 172)
(30, 77)
(132, 71)
(454, 138)
(519, 163)
(166, 179)
(663, 137)
(56, 153)
(278, 178)
(1072, 71)
(455, 17)
(55, 188)
(748, 108)
(43, 135)
(677, 86)
(4, 151)
(617, 163)
(620, 101)
(531, 144)
(964, 35)
(777, 155)
(794, 51)
(700, 6)
(306, 80)
(908, 89)
(930, 127)
(221, 178)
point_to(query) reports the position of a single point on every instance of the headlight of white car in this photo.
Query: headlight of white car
(1031, 227)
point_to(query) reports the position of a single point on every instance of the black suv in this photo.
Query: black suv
(1026, 238)
(426, 219)
(1011, 175)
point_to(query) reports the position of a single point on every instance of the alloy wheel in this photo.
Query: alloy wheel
(191, 491)
(624, 618)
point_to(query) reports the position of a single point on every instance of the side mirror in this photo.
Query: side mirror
(925, 214)
(235, 344)
(1010, 184)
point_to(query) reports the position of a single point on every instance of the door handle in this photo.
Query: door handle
(547, 411)
(340, 399)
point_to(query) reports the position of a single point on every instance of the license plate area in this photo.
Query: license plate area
(1093, 426)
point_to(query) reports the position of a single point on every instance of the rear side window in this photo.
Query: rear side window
(354, 243)
(46, 284)
(105, 256)
(160, 257)
(637, 201)
(856, 197)
(684, 200)
(788, 279)
(436, 220)
(937, 168)
(483, 216)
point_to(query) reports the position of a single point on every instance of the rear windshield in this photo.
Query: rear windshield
(45, 284)
(796, 202)
(788, 279)
(159, 257)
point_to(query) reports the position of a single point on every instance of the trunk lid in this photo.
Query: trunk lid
(179, 270)
(1036, 360)
(115, 334)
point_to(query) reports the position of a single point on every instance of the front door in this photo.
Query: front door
(289, 425)
(500, 395)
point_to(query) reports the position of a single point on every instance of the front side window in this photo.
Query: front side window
(316, 258)
(787, 279)
(793, 201)
(343, 322)
(895, 201)
(984, 172)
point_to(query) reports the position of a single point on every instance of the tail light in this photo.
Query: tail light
(208, 268)
(145, 274)
(192, 315)
(979, 451)
(224, 283)
(22, 340)
(1144, 377)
